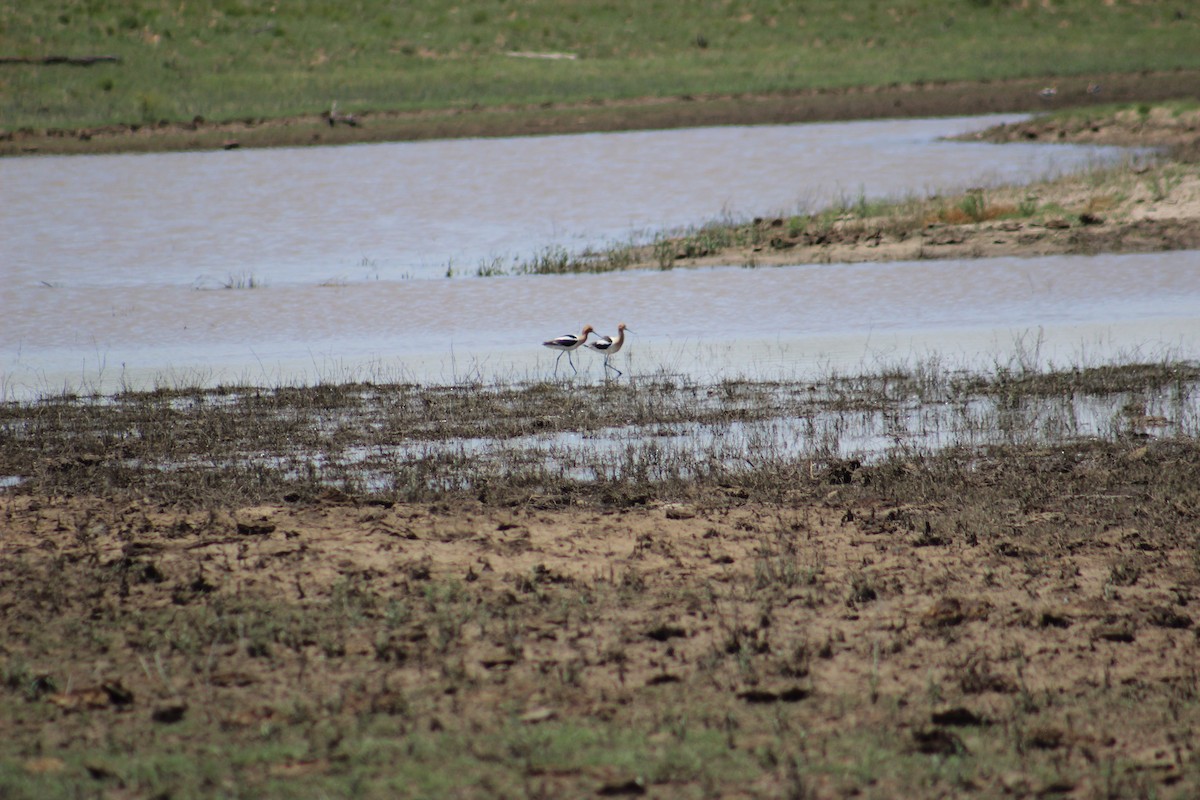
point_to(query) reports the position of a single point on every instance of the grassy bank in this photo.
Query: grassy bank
(234, 61)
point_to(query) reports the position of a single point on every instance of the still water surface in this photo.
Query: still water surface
(112, 263)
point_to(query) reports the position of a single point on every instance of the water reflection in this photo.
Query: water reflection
(818, 434)
(821, 435)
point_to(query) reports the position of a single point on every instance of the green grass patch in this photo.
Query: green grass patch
(238, 59)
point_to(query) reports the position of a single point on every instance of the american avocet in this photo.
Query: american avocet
(608, 346)
(566, 343)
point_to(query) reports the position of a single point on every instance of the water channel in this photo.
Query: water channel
(113, 264)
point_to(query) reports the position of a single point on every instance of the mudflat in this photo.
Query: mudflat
(991, 639)
(1012, 620)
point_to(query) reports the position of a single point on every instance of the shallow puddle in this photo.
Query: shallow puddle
(662, 452)
(367, 442)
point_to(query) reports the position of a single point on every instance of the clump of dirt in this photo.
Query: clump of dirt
(1177, 130)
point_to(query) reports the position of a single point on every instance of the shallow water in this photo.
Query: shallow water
(112, 263)
(869, 421)
(411, 209)
(820, 435)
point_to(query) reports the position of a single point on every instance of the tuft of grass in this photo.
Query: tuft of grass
(241, 280)
(557, 260)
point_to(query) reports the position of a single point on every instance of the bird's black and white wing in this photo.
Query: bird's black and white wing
(602, 344)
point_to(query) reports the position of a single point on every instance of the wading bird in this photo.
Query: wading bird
(566, 343)
(608, 346)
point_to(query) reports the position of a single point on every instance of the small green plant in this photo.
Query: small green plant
(152, 107)
(664, 253)
(974, 206)
(551, 261)
(490, 269)
(1161, 183)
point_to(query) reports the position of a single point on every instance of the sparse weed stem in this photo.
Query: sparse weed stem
(873, 676)
(492, 268)
(1162, 183)
(664, 252)
(242, 280)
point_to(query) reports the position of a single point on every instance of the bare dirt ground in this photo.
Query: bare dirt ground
(1025, 630)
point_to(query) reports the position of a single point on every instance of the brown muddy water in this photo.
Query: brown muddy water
(115, 266)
